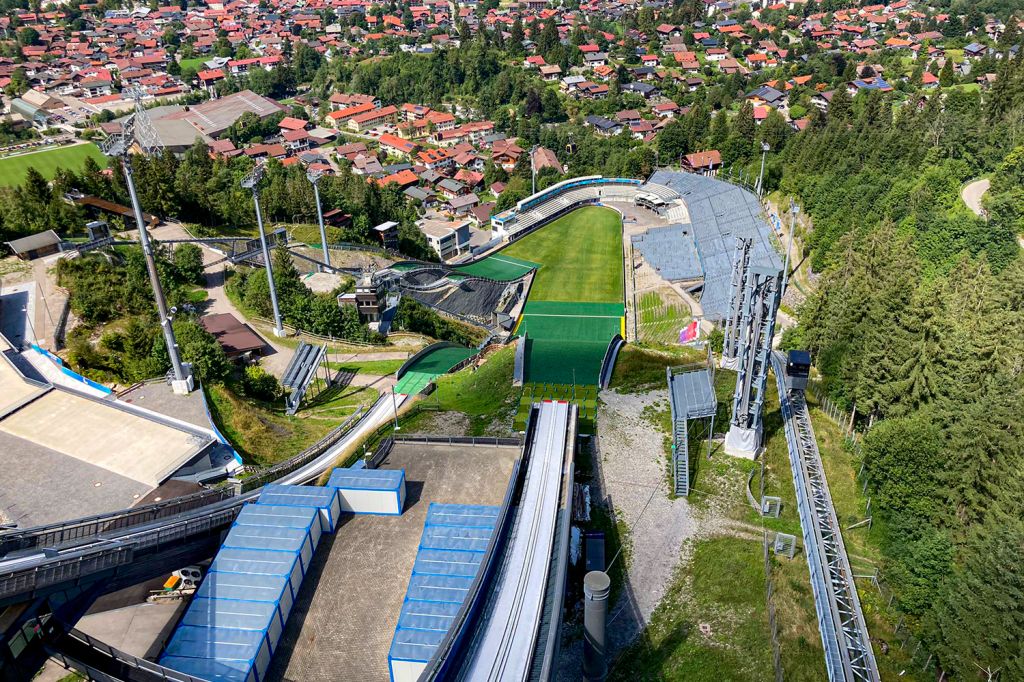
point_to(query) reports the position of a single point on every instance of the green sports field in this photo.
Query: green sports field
(575, 305)
(580, 255)
(429, 367)
(501, 267)
(14, 168)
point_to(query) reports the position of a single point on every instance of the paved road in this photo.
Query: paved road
(972, 193)
(217, 299)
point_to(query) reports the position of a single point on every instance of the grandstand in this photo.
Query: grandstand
(718, 213)
(541, 208)
(671, 251)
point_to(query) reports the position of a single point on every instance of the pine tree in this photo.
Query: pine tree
(946, 77)
(977, 622)
(840, 106)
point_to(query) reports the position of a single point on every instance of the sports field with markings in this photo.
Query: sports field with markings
(575, 305)
(14, 168)
(501, 267)
(580, 257)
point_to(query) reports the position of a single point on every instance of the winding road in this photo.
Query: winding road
(972, 193)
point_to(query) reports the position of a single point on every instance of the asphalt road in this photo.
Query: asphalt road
(972, 193)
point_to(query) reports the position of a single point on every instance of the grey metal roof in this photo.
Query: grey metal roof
(34, 241)
(693, 395)
(719, 213)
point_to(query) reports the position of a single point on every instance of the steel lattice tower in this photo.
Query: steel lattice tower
(137, 129)
(251, 182)
(760, 303)
(740, 267)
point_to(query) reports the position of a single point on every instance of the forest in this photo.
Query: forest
(917, 325)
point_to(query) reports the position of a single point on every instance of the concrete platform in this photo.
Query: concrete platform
(59, 487)
(159, 397)
(140, 630)
(343, 621)
(91, 431)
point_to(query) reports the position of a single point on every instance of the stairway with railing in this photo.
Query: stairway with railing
(681, 458)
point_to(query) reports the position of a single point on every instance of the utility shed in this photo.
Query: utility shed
(370, 491)
(284, 517)
(260, 562)
(229, 587)
(233, 625)
(35, 245)
(323, 498)
(452, 548)
(238, 614)
(273, 538)
(238, 654)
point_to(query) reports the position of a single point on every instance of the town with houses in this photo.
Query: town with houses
(430, 340)
(70, 75)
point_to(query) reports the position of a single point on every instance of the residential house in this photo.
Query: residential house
(705, 163)
(545, 158)
(505, 154)
(446, 238)
(604, 126)
(392, 144)
(452, 188)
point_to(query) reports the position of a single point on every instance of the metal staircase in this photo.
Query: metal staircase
(681, 457)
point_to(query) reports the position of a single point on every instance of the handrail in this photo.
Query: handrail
(493, 441)
(62, 533)
(81, 643)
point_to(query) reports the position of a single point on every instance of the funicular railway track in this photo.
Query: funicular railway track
(844, 633)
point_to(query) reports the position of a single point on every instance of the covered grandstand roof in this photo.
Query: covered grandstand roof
(719, 213)
(671, 251)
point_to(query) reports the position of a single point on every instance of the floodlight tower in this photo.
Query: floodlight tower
(533, 169)
(251, 182)
(765, 148)
(314, 175)
(137, 128)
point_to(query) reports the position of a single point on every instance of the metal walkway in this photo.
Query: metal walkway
(844, 634)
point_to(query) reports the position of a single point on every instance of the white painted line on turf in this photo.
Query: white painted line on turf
(600, 317)
(512, 262)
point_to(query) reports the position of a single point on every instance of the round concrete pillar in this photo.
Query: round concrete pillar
(596, 588)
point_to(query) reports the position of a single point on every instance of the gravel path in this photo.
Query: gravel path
(633, 473)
